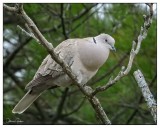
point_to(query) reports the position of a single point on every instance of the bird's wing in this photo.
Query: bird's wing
(49, 70)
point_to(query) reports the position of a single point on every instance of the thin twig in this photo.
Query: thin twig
(28, 34)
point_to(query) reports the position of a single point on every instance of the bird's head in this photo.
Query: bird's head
(107, 40)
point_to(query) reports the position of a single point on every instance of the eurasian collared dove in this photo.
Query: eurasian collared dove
(83, 56)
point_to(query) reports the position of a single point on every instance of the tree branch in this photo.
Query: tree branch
(140, 101)
(27, 33)
(146, 93)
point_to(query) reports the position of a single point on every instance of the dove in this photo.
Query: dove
(84, 56)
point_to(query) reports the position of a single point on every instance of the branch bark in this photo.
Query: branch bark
(151, 103)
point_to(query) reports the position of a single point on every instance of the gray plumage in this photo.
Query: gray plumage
(84, 57)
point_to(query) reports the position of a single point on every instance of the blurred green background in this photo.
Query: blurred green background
(22, 55)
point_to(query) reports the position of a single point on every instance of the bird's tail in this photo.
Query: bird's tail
(25, 102)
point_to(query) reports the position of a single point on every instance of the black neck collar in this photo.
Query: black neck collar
(94, 40)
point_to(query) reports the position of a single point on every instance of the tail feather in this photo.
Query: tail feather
(25, 102)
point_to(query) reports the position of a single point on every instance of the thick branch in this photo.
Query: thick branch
(146, 93)
(140, 101)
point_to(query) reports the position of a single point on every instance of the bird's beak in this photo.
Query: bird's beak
(113, 49)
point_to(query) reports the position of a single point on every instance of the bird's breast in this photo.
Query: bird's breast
(92, 55)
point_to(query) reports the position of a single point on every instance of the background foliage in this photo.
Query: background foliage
(22, 55)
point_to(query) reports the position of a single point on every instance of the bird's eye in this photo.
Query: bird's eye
(106, 40)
